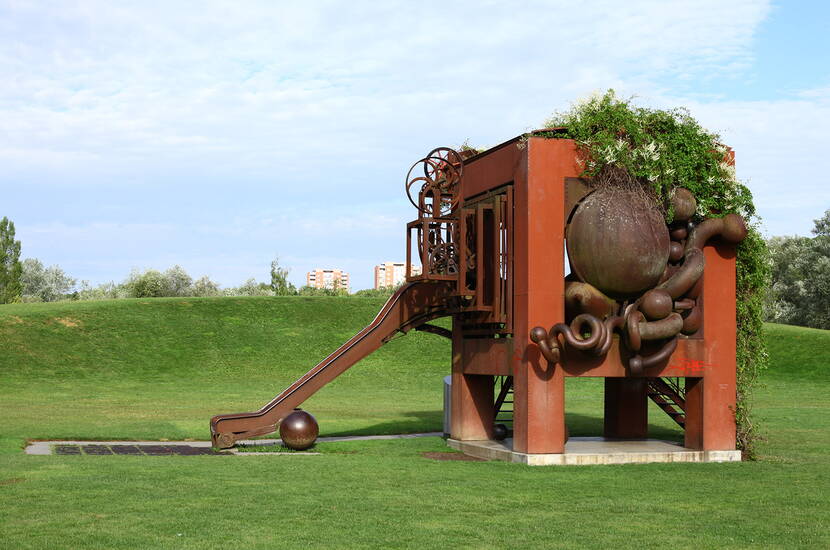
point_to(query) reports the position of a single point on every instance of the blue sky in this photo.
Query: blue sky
(142, 135)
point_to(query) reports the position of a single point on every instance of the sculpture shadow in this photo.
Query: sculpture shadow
(582, 425)
(579, 425)
(415, 422)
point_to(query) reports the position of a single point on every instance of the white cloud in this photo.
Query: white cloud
(308, 115)
(779, 145)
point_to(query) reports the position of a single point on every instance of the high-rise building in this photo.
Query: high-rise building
(328, 278)
(392, 274)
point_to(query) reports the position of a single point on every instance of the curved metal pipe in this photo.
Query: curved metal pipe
(632, 328)
(571, 332)
(688, 274)
(693, 321)
(638, 362)
(684, 304)
(611, 323)
(695, 291)
(539, 336)
(598, 342)
(664, 328)
(585, 298)
(730, 228)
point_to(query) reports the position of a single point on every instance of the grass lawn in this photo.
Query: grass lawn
(154, 369)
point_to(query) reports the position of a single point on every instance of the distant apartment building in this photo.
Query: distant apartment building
(328, 278)
(392, 274)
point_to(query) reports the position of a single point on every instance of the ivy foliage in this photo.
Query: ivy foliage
(663, 150)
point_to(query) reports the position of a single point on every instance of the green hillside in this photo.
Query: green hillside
(160, 368)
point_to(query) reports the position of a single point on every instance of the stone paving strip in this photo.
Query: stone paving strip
(184, 448)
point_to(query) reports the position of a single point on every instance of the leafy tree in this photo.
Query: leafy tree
(104, 291)
(382, 292)
(11, 269)
(801, 278)
(279, 280)
(177, 282)
(44, 284)
(205, 287)
(150, 284)
(306, 290)
(250, 288)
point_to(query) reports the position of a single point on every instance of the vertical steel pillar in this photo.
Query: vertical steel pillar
(539, 290)
(710, 400)
(626, 408)
(472, 396)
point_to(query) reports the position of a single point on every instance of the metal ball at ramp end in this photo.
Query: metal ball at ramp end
(299, 430)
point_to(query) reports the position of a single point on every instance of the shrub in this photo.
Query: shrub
(44, 284)
(205, 287)
(150, 284)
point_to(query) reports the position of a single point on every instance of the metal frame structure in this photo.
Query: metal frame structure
(490, 236)
(539, 178)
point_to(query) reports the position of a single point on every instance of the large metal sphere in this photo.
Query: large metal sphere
(500, 432)
(299, 430)
(657, 304)
(619, 242)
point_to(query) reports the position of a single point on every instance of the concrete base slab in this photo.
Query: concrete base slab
(595, 450)
(47, 447)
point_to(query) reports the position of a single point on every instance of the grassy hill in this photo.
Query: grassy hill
(160, 368)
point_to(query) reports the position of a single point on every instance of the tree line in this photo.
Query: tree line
(799, 291)
(800, 287)
(29, 280)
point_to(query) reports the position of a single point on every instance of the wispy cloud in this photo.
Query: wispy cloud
(212, 130)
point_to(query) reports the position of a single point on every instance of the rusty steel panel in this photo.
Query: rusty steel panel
(498, 167)
(487, 356)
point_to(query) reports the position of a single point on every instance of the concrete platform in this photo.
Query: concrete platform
(595, 450)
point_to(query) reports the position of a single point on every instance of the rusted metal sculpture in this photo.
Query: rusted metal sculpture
(648, 306)
(633, 274)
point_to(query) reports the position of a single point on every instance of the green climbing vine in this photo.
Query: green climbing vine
(664, 150)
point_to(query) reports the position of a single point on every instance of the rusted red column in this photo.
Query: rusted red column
(472, 397)
(710, 399)
(626, 407)
(539, 408)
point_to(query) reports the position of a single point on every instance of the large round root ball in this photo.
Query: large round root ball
(618, 242)
(299, 430)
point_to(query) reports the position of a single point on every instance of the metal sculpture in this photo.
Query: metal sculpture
(649, 307)
(634, 274)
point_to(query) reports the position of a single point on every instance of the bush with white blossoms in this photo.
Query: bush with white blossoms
(663, 149)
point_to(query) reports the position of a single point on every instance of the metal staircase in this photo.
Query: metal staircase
(667, 393)
(504, 401)
(669, 396)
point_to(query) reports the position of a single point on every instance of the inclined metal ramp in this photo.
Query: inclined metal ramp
(411, 306)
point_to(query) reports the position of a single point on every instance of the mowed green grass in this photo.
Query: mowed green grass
(160, 368)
